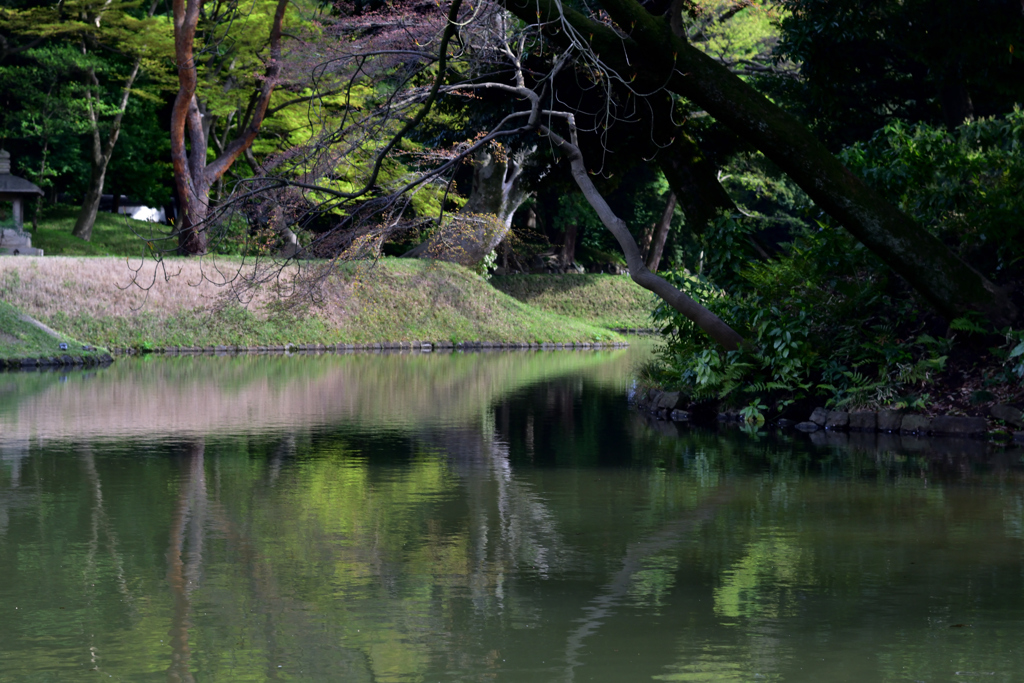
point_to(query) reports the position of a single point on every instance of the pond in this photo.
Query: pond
(479, 517)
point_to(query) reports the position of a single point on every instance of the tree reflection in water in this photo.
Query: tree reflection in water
(530, 539)
(184, 564)
(100, 521)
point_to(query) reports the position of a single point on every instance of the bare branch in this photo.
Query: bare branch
(710, 323)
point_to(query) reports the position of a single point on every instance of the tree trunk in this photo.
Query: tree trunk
(497, 187)
(36, 215)
(486, 218)
(661, 234)
(569, 244)
(694, 182)
(193, 237)
(193, 177)
(101, 153)
(645, 240)
(90, 204)
(653, 54)
(711, 324)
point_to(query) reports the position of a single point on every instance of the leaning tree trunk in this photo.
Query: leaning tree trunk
(708, 322)
(653, 55)
(101, 151)
(486, 218)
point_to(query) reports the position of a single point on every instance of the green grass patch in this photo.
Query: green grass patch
(611, 301)
(19, 338)
(231, 326)
(112, 234)
(414, 299)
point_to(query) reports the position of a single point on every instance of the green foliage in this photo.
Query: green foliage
(69, 65)
(1015, 356)
(971, 322)
(965, 185)
(233, 237)
(232, 37)
(140, 167)
(353, 117)
(753, 413)
(824, 318)
(901, 60)
(734, 33)
(726, 248)
(771, 201)
(574, 209)
(488, 264)
(818, 318)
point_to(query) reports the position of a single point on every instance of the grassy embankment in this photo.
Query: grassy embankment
(21, 337)
(395, 300)
(612, 301)
(100, 300)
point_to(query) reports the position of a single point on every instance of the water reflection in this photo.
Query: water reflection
(546, 535)
(188, 521)
(153, 397)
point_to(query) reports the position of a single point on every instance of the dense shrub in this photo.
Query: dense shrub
(967, 186)
(824, 318)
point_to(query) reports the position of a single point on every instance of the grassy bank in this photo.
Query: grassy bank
(23, 337)
(118, 303)
(112, 235)
(612, 301)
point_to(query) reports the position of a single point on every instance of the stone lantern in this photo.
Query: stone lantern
(13, 238)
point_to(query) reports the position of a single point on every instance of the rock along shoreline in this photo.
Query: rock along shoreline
(669, 406)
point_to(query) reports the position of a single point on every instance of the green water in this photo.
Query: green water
(479, 517)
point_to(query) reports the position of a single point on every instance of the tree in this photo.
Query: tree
(707, 321)
(143, 43)
(508, 42)
(498, 186)
(652, 52)
(497, 191)
(40, 118)
(194, 175)
(93, 54)
(100, 150)
(633, 69)
(931, 61)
